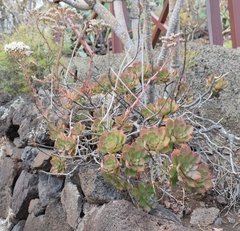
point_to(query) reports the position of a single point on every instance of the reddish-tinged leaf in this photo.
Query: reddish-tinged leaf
(195, 175)
(78, 129)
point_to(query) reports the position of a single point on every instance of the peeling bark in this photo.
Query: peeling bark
(118, 10)
(148, 49)
(147, 31)
(135, 22)
(175, 64)
(174, 13)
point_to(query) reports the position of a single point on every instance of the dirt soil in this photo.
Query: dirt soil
(189, 201)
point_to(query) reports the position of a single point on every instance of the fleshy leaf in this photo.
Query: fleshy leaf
(111, 142)
(145, 196)
(187, 168)
(154, 139)
(178, 131)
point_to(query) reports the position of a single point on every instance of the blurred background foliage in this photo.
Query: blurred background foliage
(40, 61)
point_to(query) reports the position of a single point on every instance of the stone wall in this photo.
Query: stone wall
(33, 199)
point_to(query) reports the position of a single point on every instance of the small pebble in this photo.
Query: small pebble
(231, 220)
(218, 222)
(221, 200)
(188, 211)
(202, 204)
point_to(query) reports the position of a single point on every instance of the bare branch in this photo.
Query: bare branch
(80, 4)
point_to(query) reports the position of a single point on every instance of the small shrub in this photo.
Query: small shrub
(106, 120)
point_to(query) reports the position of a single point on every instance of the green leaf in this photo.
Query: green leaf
(111, 142)
(78, 129)
(145, 196)
(187, 168)
(130, 172)
(116, 180)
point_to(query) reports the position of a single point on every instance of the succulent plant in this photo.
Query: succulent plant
(145, 196)
(184, 165)
(81, 115)
(111, 142)
(54, 130)
(218, 86)
(78, 129)
(100, 126)
(58, 164)
(129, 79)
(110, 164)
(111, 172)
(184, 92)
(148, 71)
(68, 97)
(154, 139)
(163, 76)
(107, 81)
(102, 85)
(139, 68)
(130, 99)
(100, 112)
(125, 125)
(116, 180)
(178, 132)
(66, 144)
(149, 111)
(134, 157)
(205, 182)
(166, 107)
(187, 167)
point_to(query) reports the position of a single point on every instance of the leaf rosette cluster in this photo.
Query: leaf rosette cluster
(178, 131)
(145, 196)
(187, 168)
(154, 139)
(134, 157)
(218, 86)
(111, 142)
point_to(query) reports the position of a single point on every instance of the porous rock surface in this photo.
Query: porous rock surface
(122, 215)
(220, 61)
(21, 118)
(53, 219)
(72, 201)
(9, 170)
(94, 187)
(24, 191)
(204, 216)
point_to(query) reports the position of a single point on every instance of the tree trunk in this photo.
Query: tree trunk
(174, 20)
(118, 10)
(175, 59)
(147, 31)
(148, 49)
(175, 64)
(135, 22)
